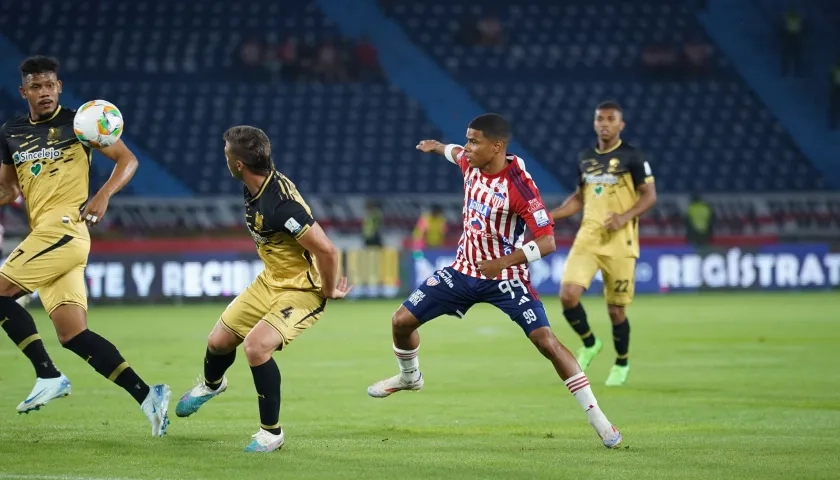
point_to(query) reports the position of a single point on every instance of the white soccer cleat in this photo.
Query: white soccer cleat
(265, 441)
(45, 390)
(394, 384)
(155, 407)
(191, 401)
(611, 438)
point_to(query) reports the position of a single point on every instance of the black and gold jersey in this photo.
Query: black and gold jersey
(277, 216)
(608, 183)
(52, 167)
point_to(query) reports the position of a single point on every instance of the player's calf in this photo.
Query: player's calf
(20, 327)
(570, 372)
(218, 357)
(621, 340)
(259, 345)
(404, 327)
(575, 315)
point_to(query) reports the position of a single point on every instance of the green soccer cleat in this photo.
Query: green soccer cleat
(618, 375)
(585, 355)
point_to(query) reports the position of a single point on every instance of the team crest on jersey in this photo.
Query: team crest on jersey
(613, 165)
(258, 222)
(54, 134)
(433, 281)
(498, 199)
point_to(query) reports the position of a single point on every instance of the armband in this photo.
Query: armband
(532, 251)
(447, 152)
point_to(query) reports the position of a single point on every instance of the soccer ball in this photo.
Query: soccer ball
(98, 124)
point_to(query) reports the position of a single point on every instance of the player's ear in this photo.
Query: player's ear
(22, 94)
(60, 84)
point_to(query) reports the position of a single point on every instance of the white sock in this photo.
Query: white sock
(579, 386)
(409, 364)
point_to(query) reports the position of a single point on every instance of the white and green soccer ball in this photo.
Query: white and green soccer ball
(98, 124)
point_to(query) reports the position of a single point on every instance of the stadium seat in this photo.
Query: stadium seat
(174, 75)
(560, 60)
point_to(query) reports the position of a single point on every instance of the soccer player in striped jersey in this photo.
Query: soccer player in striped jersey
(500, 200)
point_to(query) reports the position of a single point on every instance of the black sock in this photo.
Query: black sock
(215, 367)
(576, 316)
(104, 357)
(20, 327)
(621, 339)
(267, 383)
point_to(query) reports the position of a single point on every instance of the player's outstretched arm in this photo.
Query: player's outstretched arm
(9, 188)
(451, 152)
(572, 205)
(315, 241)
(126, 165)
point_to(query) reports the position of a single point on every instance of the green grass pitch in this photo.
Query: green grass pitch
(721, 387)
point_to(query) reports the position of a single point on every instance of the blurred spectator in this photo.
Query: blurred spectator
(661, 60)
(834, 104)
(490, 31)
(697, 55)
(699, 221)
(372, 226)
(367, 59)
(329, 64)
(430, 231)
(287, 55)
(792, 31)
(251, 56)
(487, 31)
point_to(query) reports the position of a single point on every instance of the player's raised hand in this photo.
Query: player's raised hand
(428, 146)
(95, 209)
(340, 291)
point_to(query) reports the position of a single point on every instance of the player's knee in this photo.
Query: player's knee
(256, 350)
(570, 295)
(616, 313)
(65, 335)
(220, 342)
(69, 321)
(403, 322)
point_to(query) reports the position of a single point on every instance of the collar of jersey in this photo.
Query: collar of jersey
(612, 149)
(261, 190)
(47, 120)
(510, 157)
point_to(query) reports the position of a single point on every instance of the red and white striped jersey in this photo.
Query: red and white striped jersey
(496, 210)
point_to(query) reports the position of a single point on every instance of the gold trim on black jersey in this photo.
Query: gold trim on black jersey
(57, 111)
(285, 186)
(261, 190)
(611, 149)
